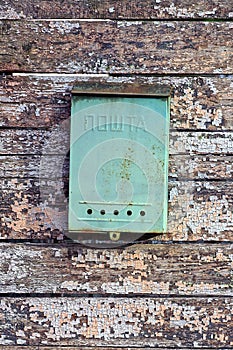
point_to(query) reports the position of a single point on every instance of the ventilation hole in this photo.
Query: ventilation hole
(129, 212)
(116, 212)
(102, 212)
(142, 213)
(89, 211)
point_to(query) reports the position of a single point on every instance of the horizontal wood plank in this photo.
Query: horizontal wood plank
(172, 322)
(197, 210)
(191, 269)
(116, 9)
(43, 101)
(93, 347)
(116, 47)
(56, 141)
(181, 167)
(36, 347)
(77, 347)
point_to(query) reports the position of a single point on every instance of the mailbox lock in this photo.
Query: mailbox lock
(114, 236)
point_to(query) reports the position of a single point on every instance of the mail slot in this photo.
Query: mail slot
(118, 162)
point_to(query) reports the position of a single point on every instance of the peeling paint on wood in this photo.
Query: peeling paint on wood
(162, 294)
(65, 347)
(197, 210)
(40, 101)
(191, 269)
(193, 322)
(20, 141)
(116, 9)
(41, 347)
(181, 167)
(201, 143)
(116, 47)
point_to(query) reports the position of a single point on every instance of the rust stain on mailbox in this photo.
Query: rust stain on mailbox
(118, 160)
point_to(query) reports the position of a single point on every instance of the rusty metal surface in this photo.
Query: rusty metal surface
(136, 88)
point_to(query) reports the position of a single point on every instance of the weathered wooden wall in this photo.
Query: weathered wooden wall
(169, 291)
(216, 9)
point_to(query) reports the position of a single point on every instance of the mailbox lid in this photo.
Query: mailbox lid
(118, 163)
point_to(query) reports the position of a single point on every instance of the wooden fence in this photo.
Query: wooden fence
(169, 291)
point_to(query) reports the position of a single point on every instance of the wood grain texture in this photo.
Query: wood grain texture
(44, 347)
(197, 210)
(157, 293)
(191, 269)
(43, 101)
(193, 322)
(56, 141)
(116, 9)
(116, 47)
(65, 347)
(181, 167)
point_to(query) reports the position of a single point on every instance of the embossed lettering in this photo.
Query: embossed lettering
(141, 123)
(116, 123)
(131, 120)
(89, 122)
(102, 123)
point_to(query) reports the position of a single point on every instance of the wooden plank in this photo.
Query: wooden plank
(191, 269)
(56, 141)
(181, 167)
(116, 47)
(201, 143)
(163, 322)
(43, 101)
(36, 347)
(116, 9)
(41, 347)
(198, 210)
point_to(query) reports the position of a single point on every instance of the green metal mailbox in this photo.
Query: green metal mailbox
(118, 162)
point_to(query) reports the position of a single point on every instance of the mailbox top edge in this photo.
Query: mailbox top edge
(117, 89)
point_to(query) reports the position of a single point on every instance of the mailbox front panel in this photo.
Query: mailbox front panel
(118, 164)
